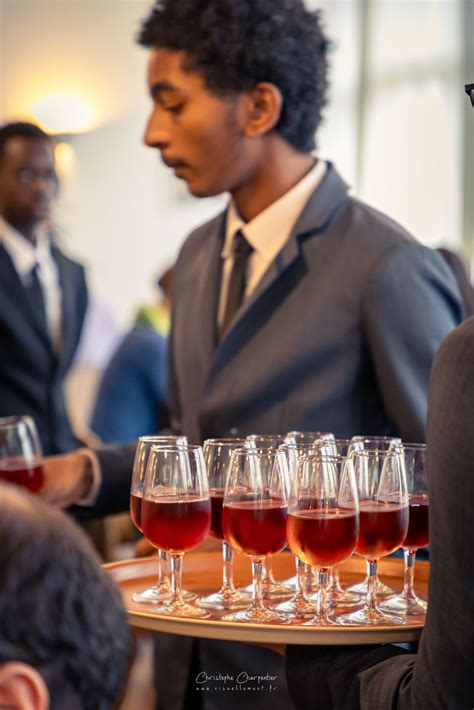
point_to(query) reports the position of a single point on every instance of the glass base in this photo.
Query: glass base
(382, 590)
(257, 616)
(376, 617)
(339, 597)
(297, 608)
(411, 605)
(328, 621)
(152, 595)
(224, 600)
(271, 590)
(155, 595)
(182, 609)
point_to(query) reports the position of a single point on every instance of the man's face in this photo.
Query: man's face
(28, 181)
(200, 135)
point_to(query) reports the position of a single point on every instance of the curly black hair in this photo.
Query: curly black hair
(59, 611)
(234, 44)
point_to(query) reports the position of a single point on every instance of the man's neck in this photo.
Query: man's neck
(27, 231)
(281, 168)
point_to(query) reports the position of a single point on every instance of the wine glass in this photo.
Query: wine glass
(162, 589)
(299, 606)
(271, 588)
(254, 517)
(408, 602)
(323, 519)
(176, 513)
(20, 453)
(372, 443)
(383, 515)
(217, 454)
(336, 594)
(308, 437)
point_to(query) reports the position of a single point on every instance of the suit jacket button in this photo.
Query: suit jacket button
(233, 431)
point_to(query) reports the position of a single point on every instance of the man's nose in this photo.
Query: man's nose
(156, 135)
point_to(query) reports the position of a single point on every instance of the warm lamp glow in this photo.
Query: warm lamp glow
(63, 113)
(64, 157)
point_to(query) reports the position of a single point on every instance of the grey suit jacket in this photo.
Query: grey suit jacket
(440, 676)
(338, 336)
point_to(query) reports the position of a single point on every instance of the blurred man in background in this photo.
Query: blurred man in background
(43, 294)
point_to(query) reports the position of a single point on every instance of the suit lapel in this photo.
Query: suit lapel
(13, 288)
(208, 280)
(314, 219)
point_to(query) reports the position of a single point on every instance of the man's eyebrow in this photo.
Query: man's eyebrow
(160, 87)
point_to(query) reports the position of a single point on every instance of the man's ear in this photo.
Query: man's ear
(264, 106)
(22, 687)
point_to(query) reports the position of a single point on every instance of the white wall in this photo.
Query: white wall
(121, 211)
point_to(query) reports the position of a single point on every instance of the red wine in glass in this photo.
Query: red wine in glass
(136, 510)
(321, 538)
(418, 534)
(383, 527)
(256, 528)
(176, 523)
(29, 476)
(217, 498)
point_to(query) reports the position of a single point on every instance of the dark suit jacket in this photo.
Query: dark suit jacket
(338, 336)
(31, 376)
(440, 676)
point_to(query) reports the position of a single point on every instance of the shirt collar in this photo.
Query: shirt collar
(24, 254)
(268, 232)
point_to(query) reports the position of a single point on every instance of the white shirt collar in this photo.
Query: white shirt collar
(270, 230)
(23, 253)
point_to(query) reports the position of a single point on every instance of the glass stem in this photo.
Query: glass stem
(322, 594)
(301, 572)
(268, 577)
(371, 601)
(409, 576)
(228, 568)
(257, 585)
(176, 570)
(160, 569)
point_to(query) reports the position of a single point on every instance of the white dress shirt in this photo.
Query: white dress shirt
(267, 233)
(25, 255)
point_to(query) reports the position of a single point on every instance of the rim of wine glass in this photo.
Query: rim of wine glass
(332, 458)
(360, 437)
(14, 420)
(166, 447)
(225, 441)
(260, 451)
(415, 447)
(164, 437)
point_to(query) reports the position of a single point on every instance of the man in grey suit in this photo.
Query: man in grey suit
(299, 307)
(440, 675)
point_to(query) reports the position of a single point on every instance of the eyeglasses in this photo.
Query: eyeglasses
(27, 176)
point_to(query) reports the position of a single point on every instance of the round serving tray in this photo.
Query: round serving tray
(202, 574)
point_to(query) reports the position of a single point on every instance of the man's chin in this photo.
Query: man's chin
(202, 190)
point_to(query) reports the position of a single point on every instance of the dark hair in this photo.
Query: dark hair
(20, 130)
(59, 611)
(234, 44)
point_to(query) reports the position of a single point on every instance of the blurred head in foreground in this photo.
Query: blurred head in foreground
(64, 638)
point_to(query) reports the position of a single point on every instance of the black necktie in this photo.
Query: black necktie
(35, 294)
(236, 289)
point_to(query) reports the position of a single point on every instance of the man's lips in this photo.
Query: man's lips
(173, 163)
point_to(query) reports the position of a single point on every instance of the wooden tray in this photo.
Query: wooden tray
(202, 574)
